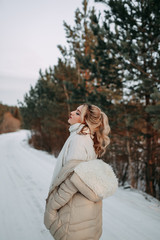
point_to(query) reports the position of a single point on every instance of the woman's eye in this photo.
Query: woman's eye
(77, 113)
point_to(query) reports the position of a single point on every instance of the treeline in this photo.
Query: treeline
(112, 60)
(10, 118)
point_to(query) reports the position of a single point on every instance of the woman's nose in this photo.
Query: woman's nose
(71, 113)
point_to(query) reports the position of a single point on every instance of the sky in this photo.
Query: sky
(30, 32)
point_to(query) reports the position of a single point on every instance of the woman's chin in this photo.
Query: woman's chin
(69, 121)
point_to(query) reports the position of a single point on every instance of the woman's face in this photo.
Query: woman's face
(75, 116)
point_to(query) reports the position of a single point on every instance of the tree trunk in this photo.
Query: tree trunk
(130, 167)
(67, 98)
(149, 159)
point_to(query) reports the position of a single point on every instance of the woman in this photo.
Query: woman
(80, 180)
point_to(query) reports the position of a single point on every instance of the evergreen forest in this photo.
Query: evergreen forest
(112, 60)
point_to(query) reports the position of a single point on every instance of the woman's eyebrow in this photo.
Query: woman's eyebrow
(78, 110)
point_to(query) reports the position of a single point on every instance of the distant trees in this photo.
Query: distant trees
(113, 62)
(10, 119)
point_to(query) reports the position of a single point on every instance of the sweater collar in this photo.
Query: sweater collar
(76, 127)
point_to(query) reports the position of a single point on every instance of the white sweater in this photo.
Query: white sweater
(77, 147)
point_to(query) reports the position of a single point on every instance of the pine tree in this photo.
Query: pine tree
(80, 40)
(66, 76)
(44, 111)
(133, 28)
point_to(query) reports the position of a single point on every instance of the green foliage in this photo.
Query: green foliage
(136, 39)
(44, 111)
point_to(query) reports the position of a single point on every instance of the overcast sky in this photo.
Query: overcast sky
(30, 32)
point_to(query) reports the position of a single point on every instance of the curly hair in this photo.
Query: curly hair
(97, 122)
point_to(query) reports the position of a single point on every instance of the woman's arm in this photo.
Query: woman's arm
(62, 194)
(57, 199)
(84, 189)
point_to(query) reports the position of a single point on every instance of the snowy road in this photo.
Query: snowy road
(25, 175)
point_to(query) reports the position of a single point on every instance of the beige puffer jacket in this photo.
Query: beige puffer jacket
(74, 204)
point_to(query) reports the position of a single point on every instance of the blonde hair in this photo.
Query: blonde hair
(97, 122)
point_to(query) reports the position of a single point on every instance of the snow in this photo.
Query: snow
(25, 175)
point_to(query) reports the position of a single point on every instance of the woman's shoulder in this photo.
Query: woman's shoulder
(84, 138)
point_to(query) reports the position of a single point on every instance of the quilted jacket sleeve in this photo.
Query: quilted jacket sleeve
(57, 199)
(84, 189)
(61, 195)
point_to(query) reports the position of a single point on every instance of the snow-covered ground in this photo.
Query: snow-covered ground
(25, 175)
